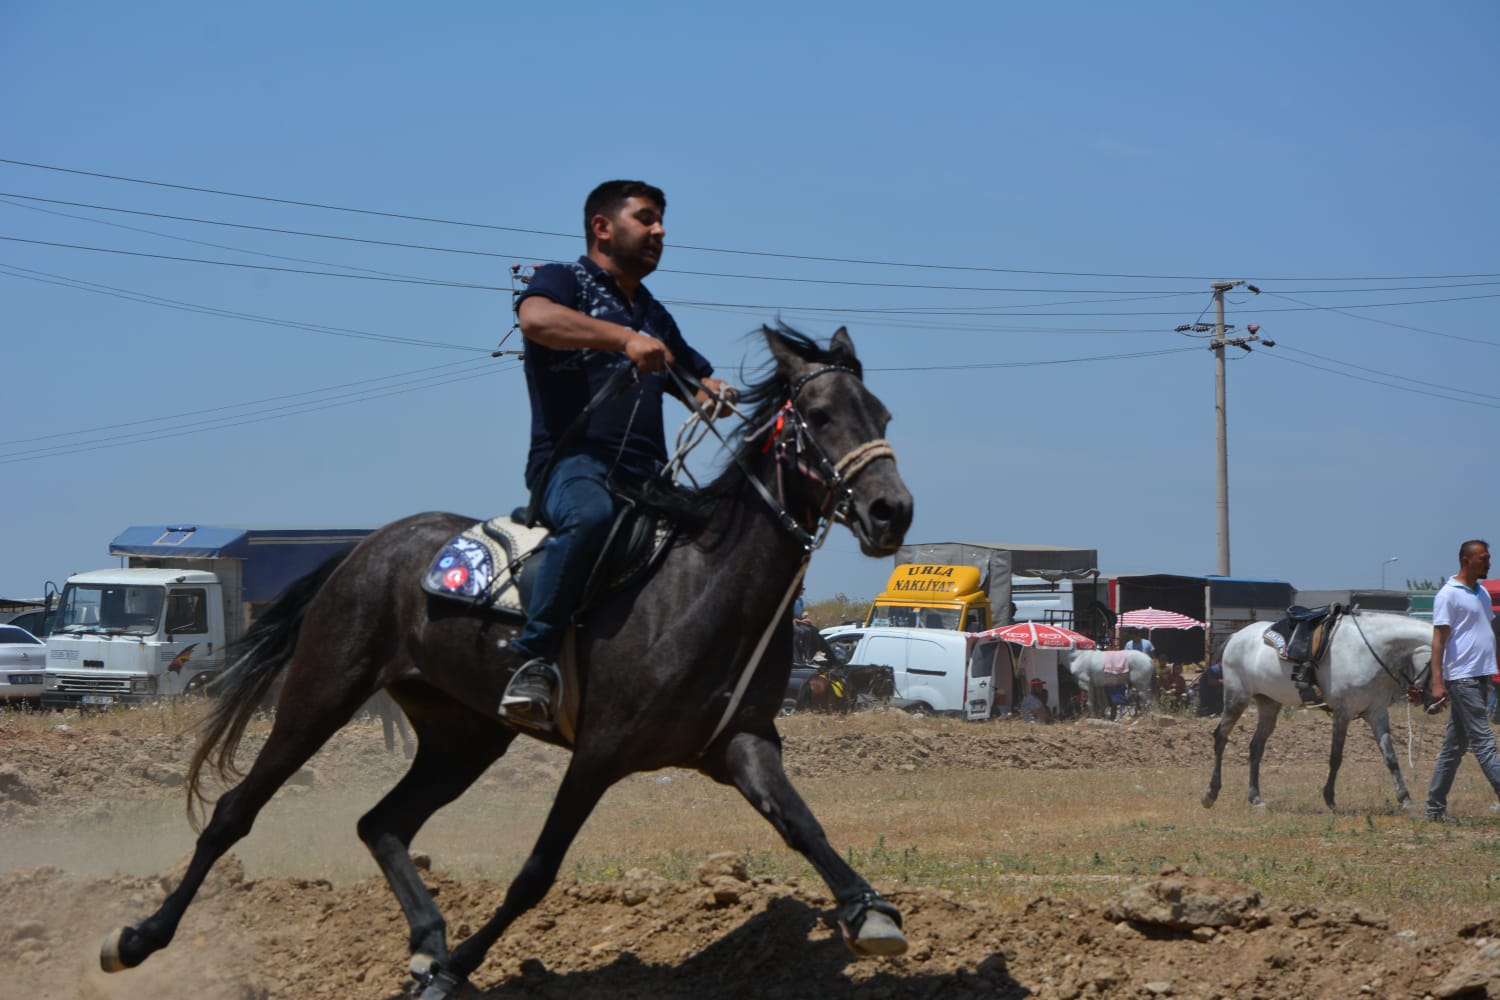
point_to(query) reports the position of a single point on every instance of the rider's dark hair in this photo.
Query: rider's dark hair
(608, 198)
(1470, 547)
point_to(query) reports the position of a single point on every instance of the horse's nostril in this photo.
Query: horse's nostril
(880, 511)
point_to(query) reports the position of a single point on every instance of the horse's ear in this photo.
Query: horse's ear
(788, 360)
(842, 341)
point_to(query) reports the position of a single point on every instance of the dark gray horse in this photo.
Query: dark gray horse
(664, 667)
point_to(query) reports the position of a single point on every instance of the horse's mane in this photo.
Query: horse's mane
(759, 401)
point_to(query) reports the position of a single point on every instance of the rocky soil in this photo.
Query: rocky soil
(723, 934)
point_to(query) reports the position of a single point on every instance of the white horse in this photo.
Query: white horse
(1370, 661)
(1087, 667)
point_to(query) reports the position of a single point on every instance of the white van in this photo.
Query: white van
(944, 671)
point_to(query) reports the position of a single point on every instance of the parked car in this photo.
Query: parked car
(34, 622)
(22, 658)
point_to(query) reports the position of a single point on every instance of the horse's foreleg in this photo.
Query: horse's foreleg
(1266, 711)
(582, 787)
(752, 764)
(1233, 709)
(294, 738)
(1380, 728)
(455, 749)
(1335, 753)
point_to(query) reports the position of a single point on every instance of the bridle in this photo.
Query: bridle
(1410, 680)
(796, 452)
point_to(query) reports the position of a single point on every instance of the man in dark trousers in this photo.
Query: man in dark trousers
(1463, 658)
(582, 321)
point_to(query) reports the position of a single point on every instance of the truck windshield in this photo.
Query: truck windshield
(116, 609)
(912, 616)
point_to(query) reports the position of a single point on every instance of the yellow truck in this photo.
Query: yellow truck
(971, 587)
(925, 595)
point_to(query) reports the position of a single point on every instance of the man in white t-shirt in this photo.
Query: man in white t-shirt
(1463, 658)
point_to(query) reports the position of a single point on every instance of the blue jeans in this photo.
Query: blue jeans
(579, 509)
(1468, 729)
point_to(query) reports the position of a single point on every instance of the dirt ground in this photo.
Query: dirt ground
(723, 933)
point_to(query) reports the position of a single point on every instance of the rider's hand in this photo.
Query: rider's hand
(647, 353)
(718, 387)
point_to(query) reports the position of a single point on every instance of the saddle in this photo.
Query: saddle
(1302, 636)
(488, 565)
(1115, 661)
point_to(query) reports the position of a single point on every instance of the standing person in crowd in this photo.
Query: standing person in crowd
(1143, 644)
(1463, 659)
(582, 322)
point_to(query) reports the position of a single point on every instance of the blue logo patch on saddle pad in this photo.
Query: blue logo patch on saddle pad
(479, 566)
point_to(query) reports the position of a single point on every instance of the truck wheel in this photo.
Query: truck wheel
(920, 709)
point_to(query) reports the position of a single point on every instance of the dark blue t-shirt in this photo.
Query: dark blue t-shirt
(561, 383)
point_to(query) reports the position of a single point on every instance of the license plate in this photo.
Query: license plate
(98, 699)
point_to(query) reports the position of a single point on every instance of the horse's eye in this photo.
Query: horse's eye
(818, 418)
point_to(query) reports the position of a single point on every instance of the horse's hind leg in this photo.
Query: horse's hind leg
(1234, 707)
(582, 787)
(752, 764)
(455, 748)
(1335, 753)
(302, 726)
(1267, 711)
(1380, 728)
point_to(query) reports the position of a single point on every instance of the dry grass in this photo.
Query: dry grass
(1011, 833)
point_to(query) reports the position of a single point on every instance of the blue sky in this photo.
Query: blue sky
(1070, 176)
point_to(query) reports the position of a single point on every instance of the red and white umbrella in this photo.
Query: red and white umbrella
(1039, 635)
(1151, 618)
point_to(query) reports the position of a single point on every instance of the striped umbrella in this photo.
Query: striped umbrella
(1151, 618)
(1040, 635)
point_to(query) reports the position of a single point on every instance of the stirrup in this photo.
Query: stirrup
(549, 703)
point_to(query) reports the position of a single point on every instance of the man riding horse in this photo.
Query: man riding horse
(583, 321)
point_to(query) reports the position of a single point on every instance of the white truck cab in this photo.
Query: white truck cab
(125, 635)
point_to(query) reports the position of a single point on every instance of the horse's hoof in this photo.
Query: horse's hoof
(434, 981)
(1208, 800)
(421, 966)
(879, 937)
(110, 959)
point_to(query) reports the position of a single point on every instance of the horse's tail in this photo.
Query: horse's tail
(255, 660)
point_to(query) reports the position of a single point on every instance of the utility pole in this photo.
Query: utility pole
(1221, 424)
(1221, 416)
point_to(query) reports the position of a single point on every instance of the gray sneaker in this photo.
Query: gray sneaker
(528, 696)
(1441, 817)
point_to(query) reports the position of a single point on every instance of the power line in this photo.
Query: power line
(434, 282)
(1376, 371)
(438, 283)
(396, 244)
(4, 198)
(144, 298)
(240, 420)
(704, 249)
(967, 366)
(1342, 311)
(1388, 385)
(427, 372)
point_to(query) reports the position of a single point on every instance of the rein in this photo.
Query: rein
(1404, 679)
(788, 431)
